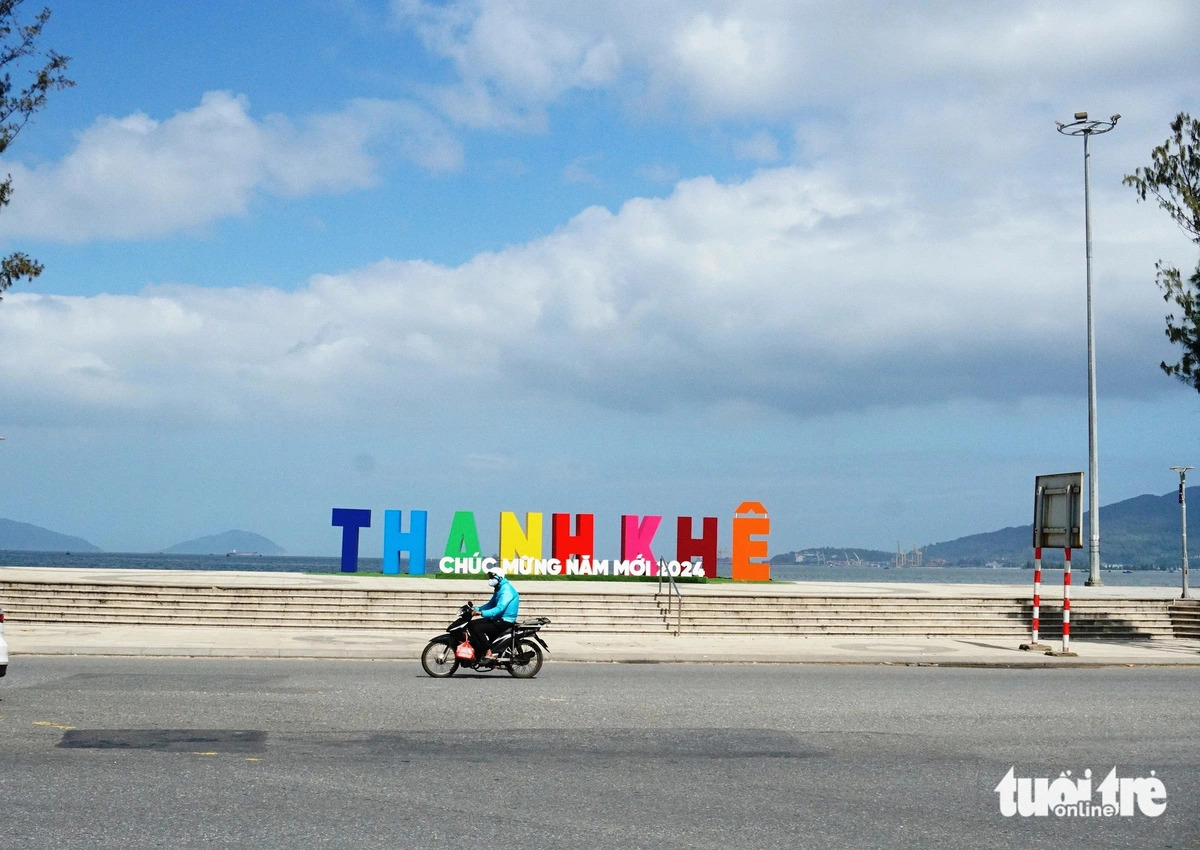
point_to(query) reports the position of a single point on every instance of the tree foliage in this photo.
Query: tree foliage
(20, 100)
(1173, 177)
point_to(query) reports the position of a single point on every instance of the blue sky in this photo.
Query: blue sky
(609, 257)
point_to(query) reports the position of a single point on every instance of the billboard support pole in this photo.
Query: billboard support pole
(1057, 521)
(1034, 646)
(1066, 650)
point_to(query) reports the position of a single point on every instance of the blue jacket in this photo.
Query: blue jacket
(504, 603)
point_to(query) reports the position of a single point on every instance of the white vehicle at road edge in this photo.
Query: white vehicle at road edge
(3, 647)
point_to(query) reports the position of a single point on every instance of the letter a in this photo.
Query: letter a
(463, 539)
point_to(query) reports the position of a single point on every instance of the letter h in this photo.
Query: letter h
(396, 541)
(564, 545)
(705, 546)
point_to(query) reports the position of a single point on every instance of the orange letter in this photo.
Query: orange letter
(749, 519)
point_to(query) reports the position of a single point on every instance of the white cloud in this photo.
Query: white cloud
(136, 177)
(511, 63)
(786, 291)
(730, 59)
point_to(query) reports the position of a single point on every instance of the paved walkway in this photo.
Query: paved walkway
(403, 645)
(65, 639)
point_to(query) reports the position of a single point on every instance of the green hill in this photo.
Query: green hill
(1142, 532)
(23, 537)
(242, 542)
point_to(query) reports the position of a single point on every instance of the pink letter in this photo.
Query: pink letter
(636, 538)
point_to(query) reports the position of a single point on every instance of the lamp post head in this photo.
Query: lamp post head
(1084, 126)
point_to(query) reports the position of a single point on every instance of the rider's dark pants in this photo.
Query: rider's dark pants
(481, 632)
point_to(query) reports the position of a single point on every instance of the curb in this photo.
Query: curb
(353, 654)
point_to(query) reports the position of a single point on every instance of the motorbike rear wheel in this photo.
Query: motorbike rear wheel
(438, 659)
(526, 660)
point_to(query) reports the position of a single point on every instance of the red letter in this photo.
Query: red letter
(564, 545)
(705, 546)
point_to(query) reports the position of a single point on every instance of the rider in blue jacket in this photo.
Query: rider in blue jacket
(498, 614)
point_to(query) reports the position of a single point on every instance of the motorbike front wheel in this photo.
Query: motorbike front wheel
(527, 660)
(438, 659)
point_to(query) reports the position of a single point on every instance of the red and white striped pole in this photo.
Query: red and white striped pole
(1066, 601)
(1037, 590)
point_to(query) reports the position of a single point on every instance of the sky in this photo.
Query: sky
(610, 257)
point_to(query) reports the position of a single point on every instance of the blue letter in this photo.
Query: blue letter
(412, 541)
(351, 520)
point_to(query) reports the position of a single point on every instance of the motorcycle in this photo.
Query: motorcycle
(517, 650)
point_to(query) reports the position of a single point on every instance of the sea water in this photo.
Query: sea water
(780, 572)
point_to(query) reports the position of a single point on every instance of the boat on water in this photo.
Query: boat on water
(234, 553)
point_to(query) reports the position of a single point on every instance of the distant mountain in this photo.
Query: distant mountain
(1140, 532)
(242, 542)
(23, 537)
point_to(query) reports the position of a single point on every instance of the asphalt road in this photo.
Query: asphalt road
(103, 752)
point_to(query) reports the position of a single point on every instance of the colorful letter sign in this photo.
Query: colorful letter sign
(573, 552)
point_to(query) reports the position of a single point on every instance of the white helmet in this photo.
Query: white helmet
(494, 575)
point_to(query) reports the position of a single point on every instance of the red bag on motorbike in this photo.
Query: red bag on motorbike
(465, 652)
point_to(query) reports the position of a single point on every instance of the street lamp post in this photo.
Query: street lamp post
(1182, 470)
(1081, 126)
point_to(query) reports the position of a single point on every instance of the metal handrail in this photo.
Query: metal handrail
(672, 585)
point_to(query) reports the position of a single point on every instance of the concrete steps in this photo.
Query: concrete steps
(1185, 617)
(1117, 619)
(267, 607)
(711, 610)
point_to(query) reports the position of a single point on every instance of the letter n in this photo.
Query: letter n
(396, 541)
(705, 546)
(518, 543)
(565, 545)
(350, 520)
